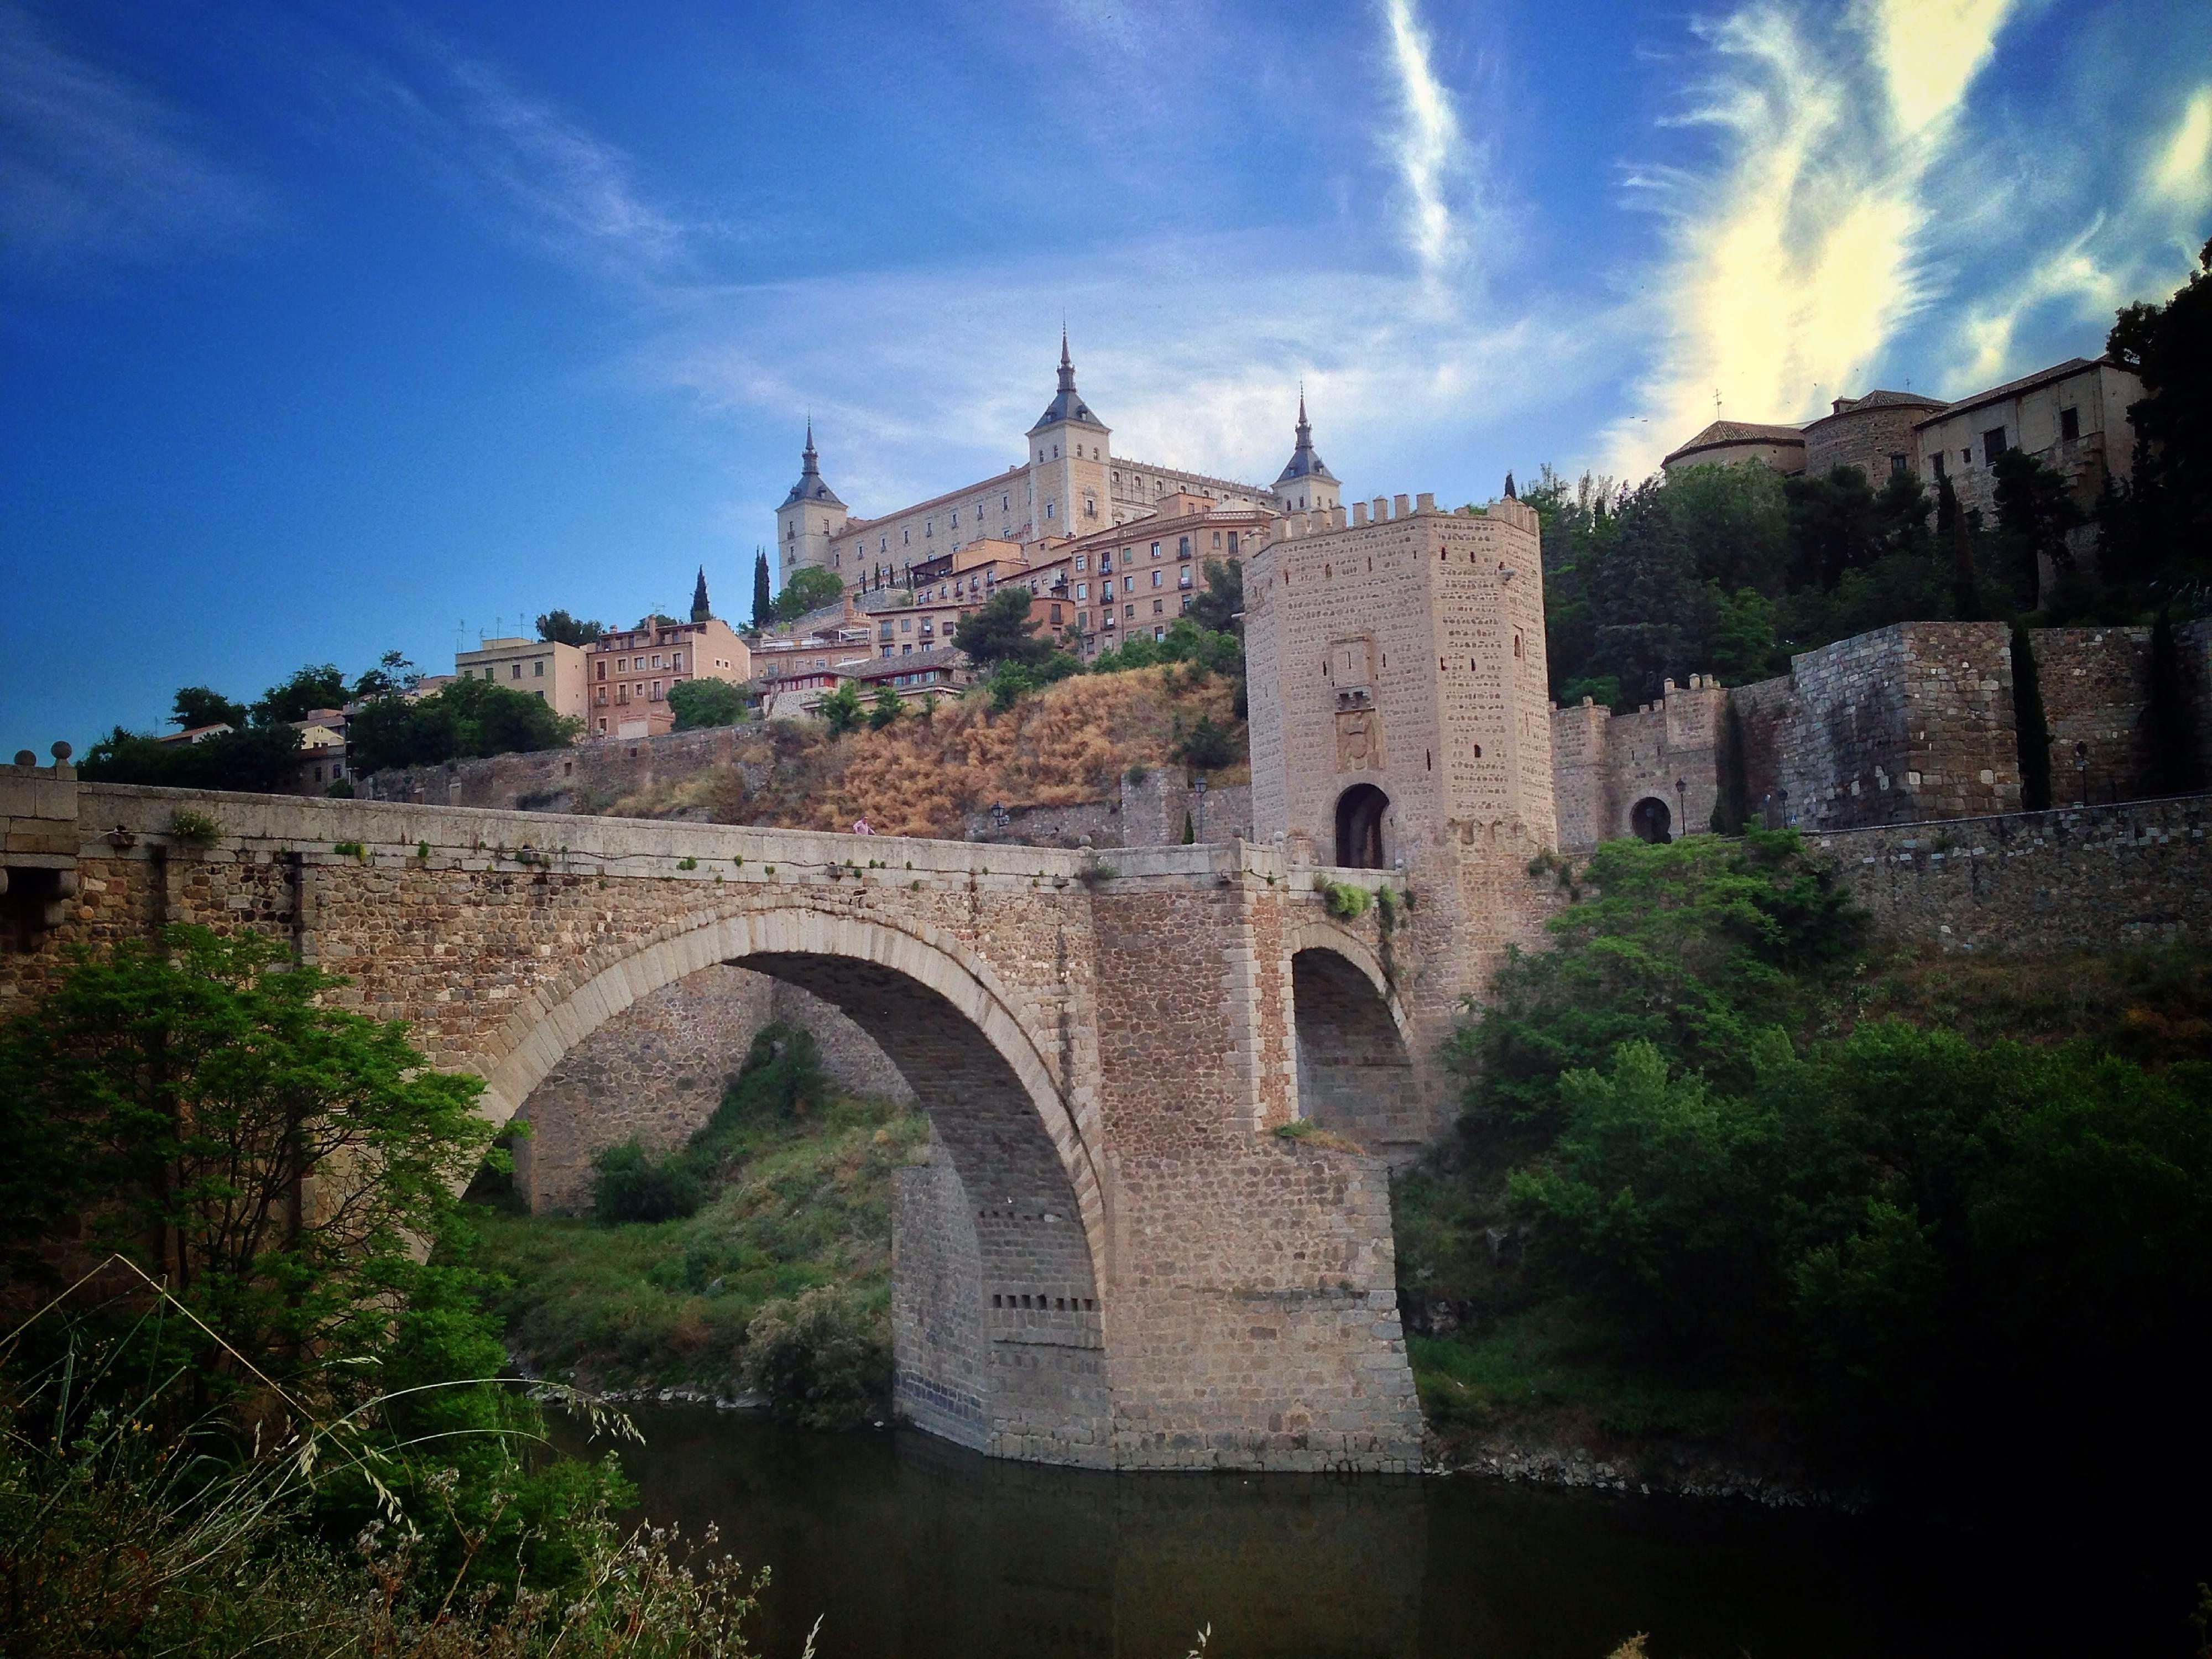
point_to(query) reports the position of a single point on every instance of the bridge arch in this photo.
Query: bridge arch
(1355, 1064)
(997, 1308)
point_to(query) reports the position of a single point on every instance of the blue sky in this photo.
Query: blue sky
(328, 329)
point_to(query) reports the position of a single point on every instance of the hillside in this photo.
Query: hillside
(1067, 742)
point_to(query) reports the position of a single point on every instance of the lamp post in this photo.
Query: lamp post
(1198, 789)
(1682, 809)
(999, 816)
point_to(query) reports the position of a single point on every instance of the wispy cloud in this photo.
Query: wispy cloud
(535, 171)
(1791, 260)
(94, 169)
(1424, 142)
(2143, 241)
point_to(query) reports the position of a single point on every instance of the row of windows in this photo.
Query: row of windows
(513, 671)
(636, 665)
(625, 692)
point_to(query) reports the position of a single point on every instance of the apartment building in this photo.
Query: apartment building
(547, 670)
(631, 672)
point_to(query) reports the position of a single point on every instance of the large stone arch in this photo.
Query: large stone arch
(999, 1315)
(1355, 1063)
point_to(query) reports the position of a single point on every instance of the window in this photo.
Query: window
(1187, 600)
(602, 668)
(1159, 635)
(656, 659)
(514, 670)
(1993, 444)
(1897, 465)
(1233, 543)
(1083, 590)
(538, 668)
(956, 518)
(539, 693)
(906, 625)
(1047, 509)
(1080, 565)
(1128, 584)
(1156, 550)
(1156, 579)
(603, 723)
(1005, 498)
(1055, 616)
(1129, 611)
(602, 696)
(1159, 607)
(1939, 458)
(2069, 424)
(1183, 547)
(1217, 538)
(928, 529)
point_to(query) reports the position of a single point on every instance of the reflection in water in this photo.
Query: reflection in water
(910, 1547)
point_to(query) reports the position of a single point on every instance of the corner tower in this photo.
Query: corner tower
(810, 516)
(1070, 454)
(1306, 485)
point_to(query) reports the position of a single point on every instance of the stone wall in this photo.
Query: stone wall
(2068, 879)
(1149, 812)
(587, 776)
(2096, 687)
(656, 1071)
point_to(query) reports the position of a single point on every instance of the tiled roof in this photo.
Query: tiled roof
(1878, 400)
(1722, 433)
(2064, 371)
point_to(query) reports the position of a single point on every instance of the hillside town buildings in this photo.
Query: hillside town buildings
(2071, 416)
(632, 671)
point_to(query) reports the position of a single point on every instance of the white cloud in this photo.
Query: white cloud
(1425, 144)
(94, 169)
(2182, 172)
(1792, 258)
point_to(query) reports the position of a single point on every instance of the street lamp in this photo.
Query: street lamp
(1681, 808)
(1198, 789)
(999, 816)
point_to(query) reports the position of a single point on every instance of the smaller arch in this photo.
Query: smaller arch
(1360, 812)
(1649, 820)
(1355, 1070)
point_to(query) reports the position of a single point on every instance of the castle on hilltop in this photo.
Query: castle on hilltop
(1069, 483)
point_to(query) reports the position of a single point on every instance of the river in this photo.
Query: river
(909, 1548)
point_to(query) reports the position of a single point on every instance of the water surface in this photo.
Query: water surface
(911, 1548)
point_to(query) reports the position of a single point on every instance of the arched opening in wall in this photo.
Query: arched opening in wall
(1355, 1076)
(1649, 820)
(1359, 827)
(996, 1316)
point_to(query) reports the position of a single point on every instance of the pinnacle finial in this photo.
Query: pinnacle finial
(1066, 364)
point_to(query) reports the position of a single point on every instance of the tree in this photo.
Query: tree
(763, 595)
(1001, 630)
(698, 703)
(809, 589)
(393, 676)
(2170, 719)
(2030, 724)
(1951, 526)
(1207, 748)
(177, 1097)
(257, 759)
(886, 708)
(562, 628)
(2036, 513)
(1835, 527)
(2170, 347)
(318, 685)
(1221, 606)
(197, 705)
(465, 718)
(842, 708)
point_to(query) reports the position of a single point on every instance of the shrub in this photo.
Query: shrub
(817, 1360)
(1345, 901)
(192, 828)
(631, 1185)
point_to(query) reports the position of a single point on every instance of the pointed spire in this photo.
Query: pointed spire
(807, 458)
(1066, 367)
(1304, 462)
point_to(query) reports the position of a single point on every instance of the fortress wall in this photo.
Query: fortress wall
(584, 777)
(2096, 687)
(2067, 879)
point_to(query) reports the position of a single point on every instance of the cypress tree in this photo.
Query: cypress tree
(1966, 592)
(2170, 721)
(1733, 808)
(2030, 725)
(763, 599)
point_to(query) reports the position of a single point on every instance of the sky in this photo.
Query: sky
(327, 330)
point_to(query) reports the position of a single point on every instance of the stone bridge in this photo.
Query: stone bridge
(1110, 1258)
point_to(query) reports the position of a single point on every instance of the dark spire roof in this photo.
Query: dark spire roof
(1066, 404)
(1304, 462)
(810, 487)
(700, 611)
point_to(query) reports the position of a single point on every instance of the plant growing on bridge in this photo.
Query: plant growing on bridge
(191, 828)
(1347, 900)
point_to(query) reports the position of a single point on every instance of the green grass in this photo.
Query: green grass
(804, 1201)
(1546, 1368)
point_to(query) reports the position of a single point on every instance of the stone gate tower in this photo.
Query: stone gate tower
(1402, 724)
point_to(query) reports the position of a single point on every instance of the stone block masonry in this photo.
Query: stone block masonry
(2070, 879)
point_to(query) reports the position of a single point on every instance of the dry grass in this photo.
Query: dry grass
(1070, 743)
